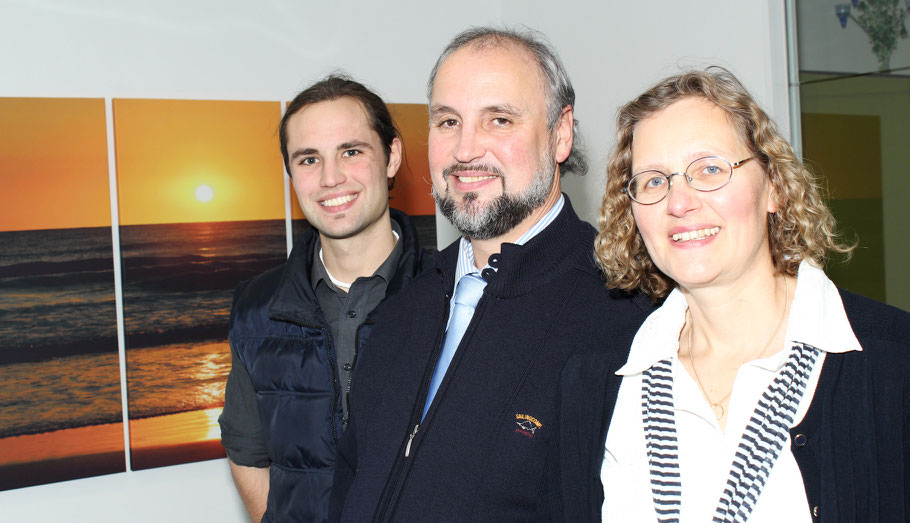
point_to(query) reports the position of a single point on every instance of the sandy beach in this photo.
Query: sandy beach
(98, 449)
(61, 455)
(175, 438)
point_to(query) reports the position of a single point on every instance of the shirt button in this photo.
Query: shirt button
(800, 440)
(344, 421)
(487, 273)
(347, 367)
(815, 511)
(494, 260)
(352, 314)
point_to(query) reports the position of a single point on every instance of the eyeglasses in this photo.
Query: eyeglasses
(705, 174)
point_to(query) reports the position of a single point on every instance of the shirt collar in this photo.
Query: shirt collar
(386, 271)
(817, 318)
(466, 261)
(822, 320)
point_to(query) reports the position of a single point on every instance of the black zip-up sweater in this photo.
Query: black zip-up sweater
(852, 447)
(482, 450)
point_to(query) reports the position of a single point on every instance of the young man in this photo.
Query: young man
(296, 330)
(455, 409)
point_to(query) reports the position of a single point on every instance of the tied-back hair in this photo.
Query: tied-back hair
(333, 87)
(803, 228)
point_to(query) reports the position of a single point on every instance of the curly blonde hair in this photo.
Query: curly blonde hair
(802, 228)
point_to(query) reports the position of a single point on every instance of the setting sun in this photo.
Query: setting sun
(204, 193)
(215, 161)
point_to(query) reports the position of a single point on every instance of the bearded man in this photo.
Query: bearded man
(454, 406)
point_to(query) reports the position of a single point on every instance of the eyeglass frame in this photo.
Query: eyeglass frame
(627, 189)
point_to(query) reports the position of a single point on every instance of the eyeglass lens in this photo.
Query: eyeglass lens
(705, 174)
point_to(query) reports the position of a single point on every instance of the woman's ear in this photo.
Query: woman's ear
(774, 194)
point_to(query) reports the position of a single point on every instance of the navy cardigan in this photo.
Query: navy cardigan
(852, 447)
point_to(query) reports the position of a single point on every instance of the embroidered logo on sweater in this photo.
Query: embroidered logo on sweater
(527, 424)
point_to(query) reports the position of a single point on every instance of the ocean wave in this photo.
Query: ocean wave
(34, 352)
(40, 268)
(252, 242)
(41, 426)
(187, 262)
(59, 281)
(52, 348)
(194, 273)
(196, 333)
(154, 412)
(192, 259)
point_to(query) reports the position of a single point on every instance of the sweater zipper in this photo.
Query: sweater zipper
(336, 387)
(389, 497)
(407, 450)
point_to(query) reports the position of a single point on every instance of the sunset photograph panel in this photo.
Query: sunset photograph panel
(183, 161)
(201, 199)
(59, 366)
(53, 164)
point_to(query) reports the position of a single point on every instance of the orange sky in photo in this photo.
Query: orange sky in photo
(412, 187)
(53, 164)
(412, 183)
(182, 161)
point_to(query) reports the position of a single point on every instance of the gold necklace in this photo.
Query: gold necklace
(717, 407)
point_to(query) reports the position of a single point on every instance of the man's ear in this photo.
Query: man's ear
(394, 158)
(565, 134)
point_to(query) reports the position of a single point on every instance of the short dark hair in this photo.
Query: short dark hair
(560, 92)
(337, 86)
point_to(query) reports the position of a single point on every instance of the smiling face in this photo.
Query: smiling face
(702, 238)
(492, 159)
(339, 169)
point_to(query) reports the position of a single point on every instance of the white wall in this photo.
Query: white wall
(228, 49)
(191, 492)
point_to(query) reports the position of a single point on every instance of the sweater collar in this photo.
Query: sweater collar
(467, 264)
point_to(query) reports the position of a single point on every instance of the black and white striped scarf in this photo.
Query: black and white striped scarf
(760, 445)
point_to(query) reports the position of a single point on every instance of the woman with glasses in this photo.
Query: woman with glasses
(758, 390)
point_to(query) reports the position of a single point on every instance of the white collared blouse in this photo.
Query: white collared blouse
(816, 318)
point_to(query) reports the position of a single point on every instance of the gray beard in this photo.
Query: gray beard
(502, 214)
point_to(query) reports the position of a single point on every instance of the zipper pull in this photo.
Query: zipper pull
(407, 450)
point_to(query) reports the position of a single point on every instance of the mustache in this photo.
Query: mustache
(469, 167)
